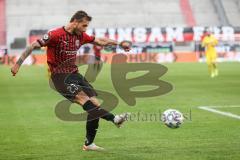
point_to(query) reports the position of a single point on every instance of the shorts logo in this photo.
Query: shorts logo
(77, 43)
(73, 88)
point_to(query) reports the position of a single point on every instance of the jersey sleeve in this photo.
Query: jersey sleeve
(87, 39)
(47, 39)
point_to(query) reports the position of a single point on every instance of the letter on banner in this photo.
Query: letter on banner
(100, 32)
(174, 34)
(140, 34)
(124, 34)
(112, 33)
(156, 35)
(228, 33)
(197, 33)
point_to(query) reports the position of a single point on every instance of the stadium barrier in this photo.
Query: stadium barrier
(41, 59)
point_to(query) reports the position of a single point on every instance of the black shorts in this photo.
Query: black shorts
(70, 84)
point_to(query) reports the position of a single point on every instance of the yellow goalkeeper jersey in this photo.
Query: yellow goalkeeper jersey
(209, 42)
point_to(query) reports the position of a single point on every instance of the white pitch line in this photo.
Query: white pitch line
(223, 106)
(219, 112)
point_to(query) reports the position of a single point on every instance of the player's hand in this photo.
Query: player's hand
(126, 45)
(15, 69)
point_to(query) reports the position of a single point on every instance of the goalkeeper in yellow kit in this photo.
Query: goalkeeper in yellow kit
(209, 42)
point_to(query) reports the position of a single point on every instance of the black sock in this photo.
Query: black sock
(97, 112)
(91, 129)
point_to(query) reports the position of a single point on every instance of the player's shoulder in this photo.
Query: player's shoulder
(86, 38)
(56, 31)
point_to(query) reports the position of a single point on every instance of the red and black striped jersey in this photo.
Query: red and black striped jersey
(62, 48)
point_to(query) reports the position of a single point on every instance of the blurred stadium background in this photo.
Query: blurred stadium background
(172, 29)
(162, 31)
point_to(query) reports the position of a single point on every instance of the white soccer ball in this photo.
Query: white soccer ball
(172, 118)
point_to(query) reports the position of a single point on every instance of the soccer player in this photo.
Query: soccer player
(62, 45)
(209, 42)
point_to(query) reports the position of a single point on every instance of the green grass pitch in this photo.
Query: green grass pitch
(29, 128)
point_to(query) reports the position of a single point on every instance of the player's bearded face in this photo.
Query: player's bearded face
(81, 26)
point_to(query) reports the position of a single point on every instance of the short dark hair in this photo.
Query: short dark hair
(80, 15)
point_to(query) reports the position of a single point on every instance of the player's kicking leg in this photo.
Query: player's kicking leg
(118, 119)
(91, 131)
(91, 105)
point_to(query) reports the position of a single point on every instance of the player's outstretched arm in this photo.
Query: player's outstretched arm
(108, 42)
(24, 55)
